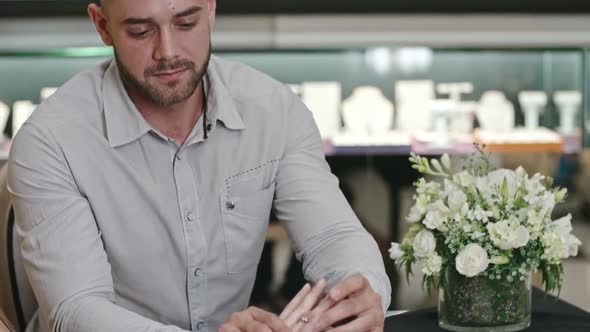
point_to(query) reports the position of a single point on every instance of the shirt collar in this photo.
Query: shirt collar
(220, 103)
(123, 121)
(125, 124)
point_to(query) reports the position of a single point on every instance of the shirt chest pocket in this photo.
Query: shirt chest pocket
(245, 212)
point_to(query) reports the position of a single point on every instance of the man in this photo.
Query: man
(142, 189)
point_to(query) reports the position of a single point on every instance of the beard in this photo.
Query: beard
(173, 92)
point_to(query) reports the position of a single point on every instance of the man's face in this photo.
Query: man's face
(162, 47)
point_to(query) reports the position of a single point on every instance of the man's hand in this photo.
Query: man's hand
(254, 320)
(353, 300)
(298, 313)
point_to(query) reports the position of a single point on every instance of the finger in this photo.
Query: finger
(268, 319)
(308, 303)
(325, 304)
(342, 310)
(347, 287)
(295, 302)
(309, 326)
(228, 328)
(368, 322)
(256, 326)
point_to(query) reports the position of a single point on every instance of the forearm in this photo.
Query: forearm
(96, 313)
(341, 251)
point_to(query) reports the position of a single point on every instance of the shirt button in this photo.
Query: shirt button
(197, 272)
(230, 205)
(200, 325)
(190, 216)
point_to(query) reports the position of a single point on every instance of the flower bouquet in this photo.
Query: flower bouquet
(480, 233)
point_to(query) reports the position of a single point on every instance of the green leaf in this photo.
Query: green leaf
(505, 191)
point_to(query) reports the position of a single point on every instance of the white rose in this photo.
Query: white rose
(434, 220)
(472, 260)
(395, 252)
(508, 234)
(416, 214)
(432, 264)
(424, 243)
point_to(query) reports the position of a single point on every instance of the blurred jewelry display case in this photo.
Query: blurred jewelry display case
(384, 100)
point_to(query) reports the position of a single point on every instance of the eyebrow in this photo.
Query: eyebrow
(139, 20)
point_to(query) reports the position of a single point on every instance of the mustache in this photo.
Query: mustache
(169, 66)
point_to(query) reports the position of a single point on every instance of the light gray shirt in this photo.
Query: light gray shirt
(124, 229)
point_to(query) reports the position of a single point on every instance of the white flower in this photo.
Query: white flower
(427, 188)
(559, 242)
(534, 221)
(416, 214)
(432, 264)
(472, 260)
(521, 174)
(458, 201)
(496, 179)
(464, 179)
(479, 214)
(562, 225)
(534, 187)
(476, 235)
(508, 234)
(573, 243)
(395, 252)
(555, 247)
(547, 201)
(434, 220)
(424, 243)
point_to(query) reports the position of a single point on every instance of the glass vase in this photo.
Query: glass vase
(482, 304)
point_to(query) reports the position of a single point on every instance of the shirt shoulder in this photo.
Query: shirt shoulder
(77, 103)
(247, 85)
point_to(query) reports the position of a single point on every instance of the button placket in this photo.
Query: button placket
(187, 199)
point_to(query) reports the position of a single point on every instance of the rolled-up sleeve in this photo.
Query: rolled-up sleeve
(63, 252)
(328, 237)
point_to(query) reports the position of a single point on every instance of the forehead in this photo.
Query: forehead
(155, 9)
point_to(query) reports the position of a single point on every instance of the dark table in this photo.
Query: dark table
(549, 314)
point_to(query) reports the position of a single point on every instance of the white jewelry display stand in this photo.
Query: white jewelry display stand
(495, 113)
(47, 92)
(323, 99)
(21, 111)
(442, 110)
(568, 103)
(4, 114)
(368, 120)
(412, 99)
(533, 104)
(367, 112)
(462, 120)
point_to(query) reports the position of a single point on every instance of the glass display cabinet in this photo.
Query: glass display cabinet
(382, 100)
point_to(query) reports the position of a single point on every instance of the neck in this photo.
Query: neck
(176, 121)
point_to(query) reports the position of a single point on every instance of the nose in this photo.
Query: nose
(165, 48)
